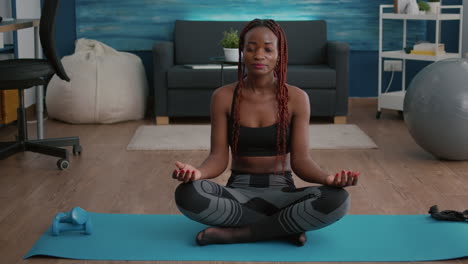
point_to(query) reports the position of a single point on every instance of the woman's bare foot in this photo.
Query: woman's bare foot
(223, 235)
(230, 235)
(298, 239)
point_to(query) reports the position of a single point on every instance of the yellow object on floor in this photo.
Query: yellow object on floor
(8, 106)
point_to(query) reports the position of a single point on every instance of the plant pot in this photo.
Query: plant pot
(231, 55)
(435, 6)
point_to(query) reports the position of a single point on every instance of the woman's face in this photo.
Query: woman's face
(260, 50)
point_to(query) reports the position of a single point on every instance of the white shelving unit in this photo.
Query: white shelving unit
(394, 100)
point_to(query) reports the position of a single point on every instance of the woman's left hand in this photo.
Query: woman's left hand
(343, 179)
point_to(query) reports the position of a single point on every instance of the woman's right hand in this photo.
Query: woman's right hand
(343, 179)
(185, 172)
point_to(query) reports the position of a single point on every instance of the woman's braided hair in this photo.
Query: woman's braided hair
(282, 90)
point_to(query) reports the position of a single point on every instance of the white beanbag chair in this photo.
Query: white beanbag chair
(106, 86)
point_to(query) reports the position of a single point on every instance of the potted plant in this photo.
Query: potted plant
(230, 43)
(435, 6)
(423, 7)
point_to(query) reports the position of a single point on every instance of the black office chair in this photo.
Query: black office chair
(22, 74)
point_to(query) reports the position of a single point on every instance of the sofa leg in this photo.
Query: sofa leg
(339, 119)
(162, 120)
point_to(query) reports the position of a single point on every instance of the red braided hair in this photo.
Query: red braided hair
(282, 90)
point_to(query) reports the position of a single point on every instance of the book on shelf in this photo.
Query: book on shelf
(426, 52)
(209, 66)
(428, 49)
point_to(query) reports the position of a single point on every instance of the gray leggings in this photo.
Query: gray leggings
(266, 202)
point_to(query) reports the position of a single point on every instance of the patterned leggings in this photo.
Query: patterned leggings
(266, 202)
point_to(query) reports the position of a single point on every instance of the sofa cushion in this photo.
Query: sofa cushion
(303, 76)
(182, 77)
(312, 76)
(189, 102)
(196, 41)
(307, 41)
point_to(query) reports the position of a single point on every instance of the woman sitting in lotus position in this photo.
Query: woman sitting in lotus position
(265, 122)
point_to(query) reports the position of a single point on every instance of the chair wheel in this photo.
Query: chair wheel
(77, 149)
(63, 164)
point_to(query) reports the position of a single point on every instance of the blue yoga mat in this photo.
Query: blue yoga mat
(172, 237)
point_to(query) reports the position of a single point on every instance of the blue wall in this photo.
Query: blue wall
(66, 27)
(363, 64)
(139, 24)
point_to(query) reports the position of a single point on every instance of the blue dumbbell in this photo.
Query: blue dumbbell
(75, 220)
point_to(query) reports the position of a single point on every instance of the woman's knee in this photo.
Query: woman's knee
(332, 200)
(206, 202)
(189, 196)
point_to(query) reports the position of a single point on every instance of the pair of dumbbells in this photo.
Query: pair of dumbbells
(75, 220)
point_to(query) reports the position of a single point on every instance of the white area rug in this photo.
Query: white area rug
(197, 137)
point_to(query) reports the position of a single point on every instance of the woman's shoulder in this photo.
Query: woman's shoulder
(296, 94)
(225, 91)
(298, 100)
(222, 97)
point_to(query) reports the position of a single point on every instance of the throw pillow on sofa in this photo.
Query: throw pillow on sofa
(106, 86)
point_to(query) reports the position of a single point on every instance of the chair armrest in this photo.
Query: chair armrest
(338, 59)
(163, 59)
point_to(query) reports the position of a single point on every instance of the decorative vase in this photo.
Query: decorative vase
(435, 6)
(231, 55)
(412, 8)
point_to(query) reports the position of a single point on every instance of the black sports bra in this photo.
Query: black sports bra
(256, 141)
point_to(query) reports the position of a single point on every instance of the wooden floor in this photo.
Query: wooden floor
(397, 178)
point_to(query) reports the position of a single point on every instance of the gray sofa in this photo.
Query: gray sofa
(318, 66)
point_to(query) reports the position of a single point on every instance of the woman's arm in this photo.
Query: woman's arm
(301, 162)
(218, 159)
(217, 162)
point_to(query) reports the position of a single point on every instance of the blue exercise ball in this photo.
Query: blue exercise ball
(435, 109)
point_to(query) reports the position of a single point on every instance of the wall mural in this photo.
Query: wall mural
(139, 24)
